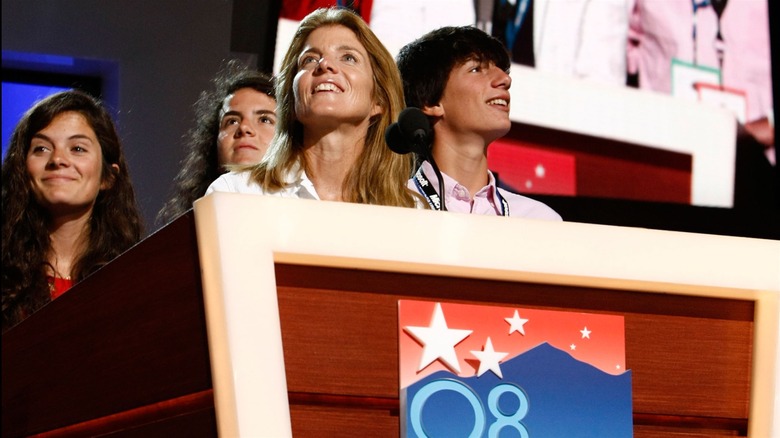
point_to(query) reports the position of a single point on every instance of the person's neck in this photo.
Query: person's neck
(465, 162)
(329, 159)
(68, 234)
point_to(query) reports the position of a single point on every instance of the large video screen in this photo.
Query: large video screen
(642, 100)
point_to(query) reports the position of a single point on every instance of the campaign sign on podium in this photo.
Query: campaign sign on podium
(489, 371)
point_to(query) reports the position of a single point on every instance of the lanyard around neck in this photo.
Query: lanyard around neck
(426, 189)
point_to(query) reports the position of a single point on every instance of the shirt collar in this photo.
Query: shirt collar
(451, 185)
(299, 184)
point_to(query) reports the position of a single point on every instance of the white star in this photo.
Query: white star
(489, 358)
(617, 367)
(516, 324)
(438, 341)
(540, 171)
(573, 347)
(585, 333)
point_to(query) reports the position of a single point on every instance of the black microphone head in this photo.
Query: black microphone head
(415, 127)
(396, 141)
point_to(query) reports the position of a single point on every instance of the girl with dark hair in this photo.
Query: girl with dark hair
(68, 202)
(234, 125)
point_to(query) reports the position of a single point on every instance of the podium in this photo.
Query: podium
(281, 317)
(123, 351)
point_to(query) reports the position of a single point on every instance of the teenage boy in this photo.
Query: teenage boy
(458, 77)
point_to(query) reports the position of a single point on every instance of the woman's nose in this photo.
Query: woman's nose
(324, 64)
(57, 159)
(245, 128)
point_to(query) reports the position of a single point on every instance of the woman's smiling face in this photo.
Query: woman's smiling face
(335, 80)
(65, 163)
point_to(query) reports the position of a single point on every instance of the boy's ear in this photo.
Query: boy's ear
(433, 110)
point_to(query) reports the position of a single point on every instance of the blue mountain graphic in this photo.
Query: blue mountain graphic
(565, 398)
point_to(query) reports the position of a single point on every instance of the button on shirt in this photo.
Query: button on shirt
(486, 201)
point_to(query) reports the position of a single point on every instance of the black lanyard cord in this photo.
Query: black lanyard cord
(436, 201)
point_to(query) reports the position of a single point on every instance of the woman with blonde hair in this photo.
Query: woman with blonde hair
(338, 90)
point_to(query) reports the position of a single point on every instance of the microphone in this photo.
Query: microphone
(414, 125)
(412, 133)
(396, 141)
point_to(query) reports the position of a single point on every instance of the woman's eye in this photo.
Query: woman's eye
(349, 57)
(36, 149)
(229, 122)
(308, 60)
(78, 148)
(269, 120)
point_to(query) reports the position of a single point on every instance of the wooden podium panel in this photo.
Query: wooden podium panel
(124, 352)
(690, 356)
(699, 335)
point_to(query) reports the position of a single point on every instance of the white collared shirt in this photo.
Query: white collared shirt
(298, 185)
(487, 200)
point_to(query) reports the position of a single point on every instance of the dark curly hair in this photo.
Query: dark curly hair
(115, 223)
(200, 167)
(426, 63)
